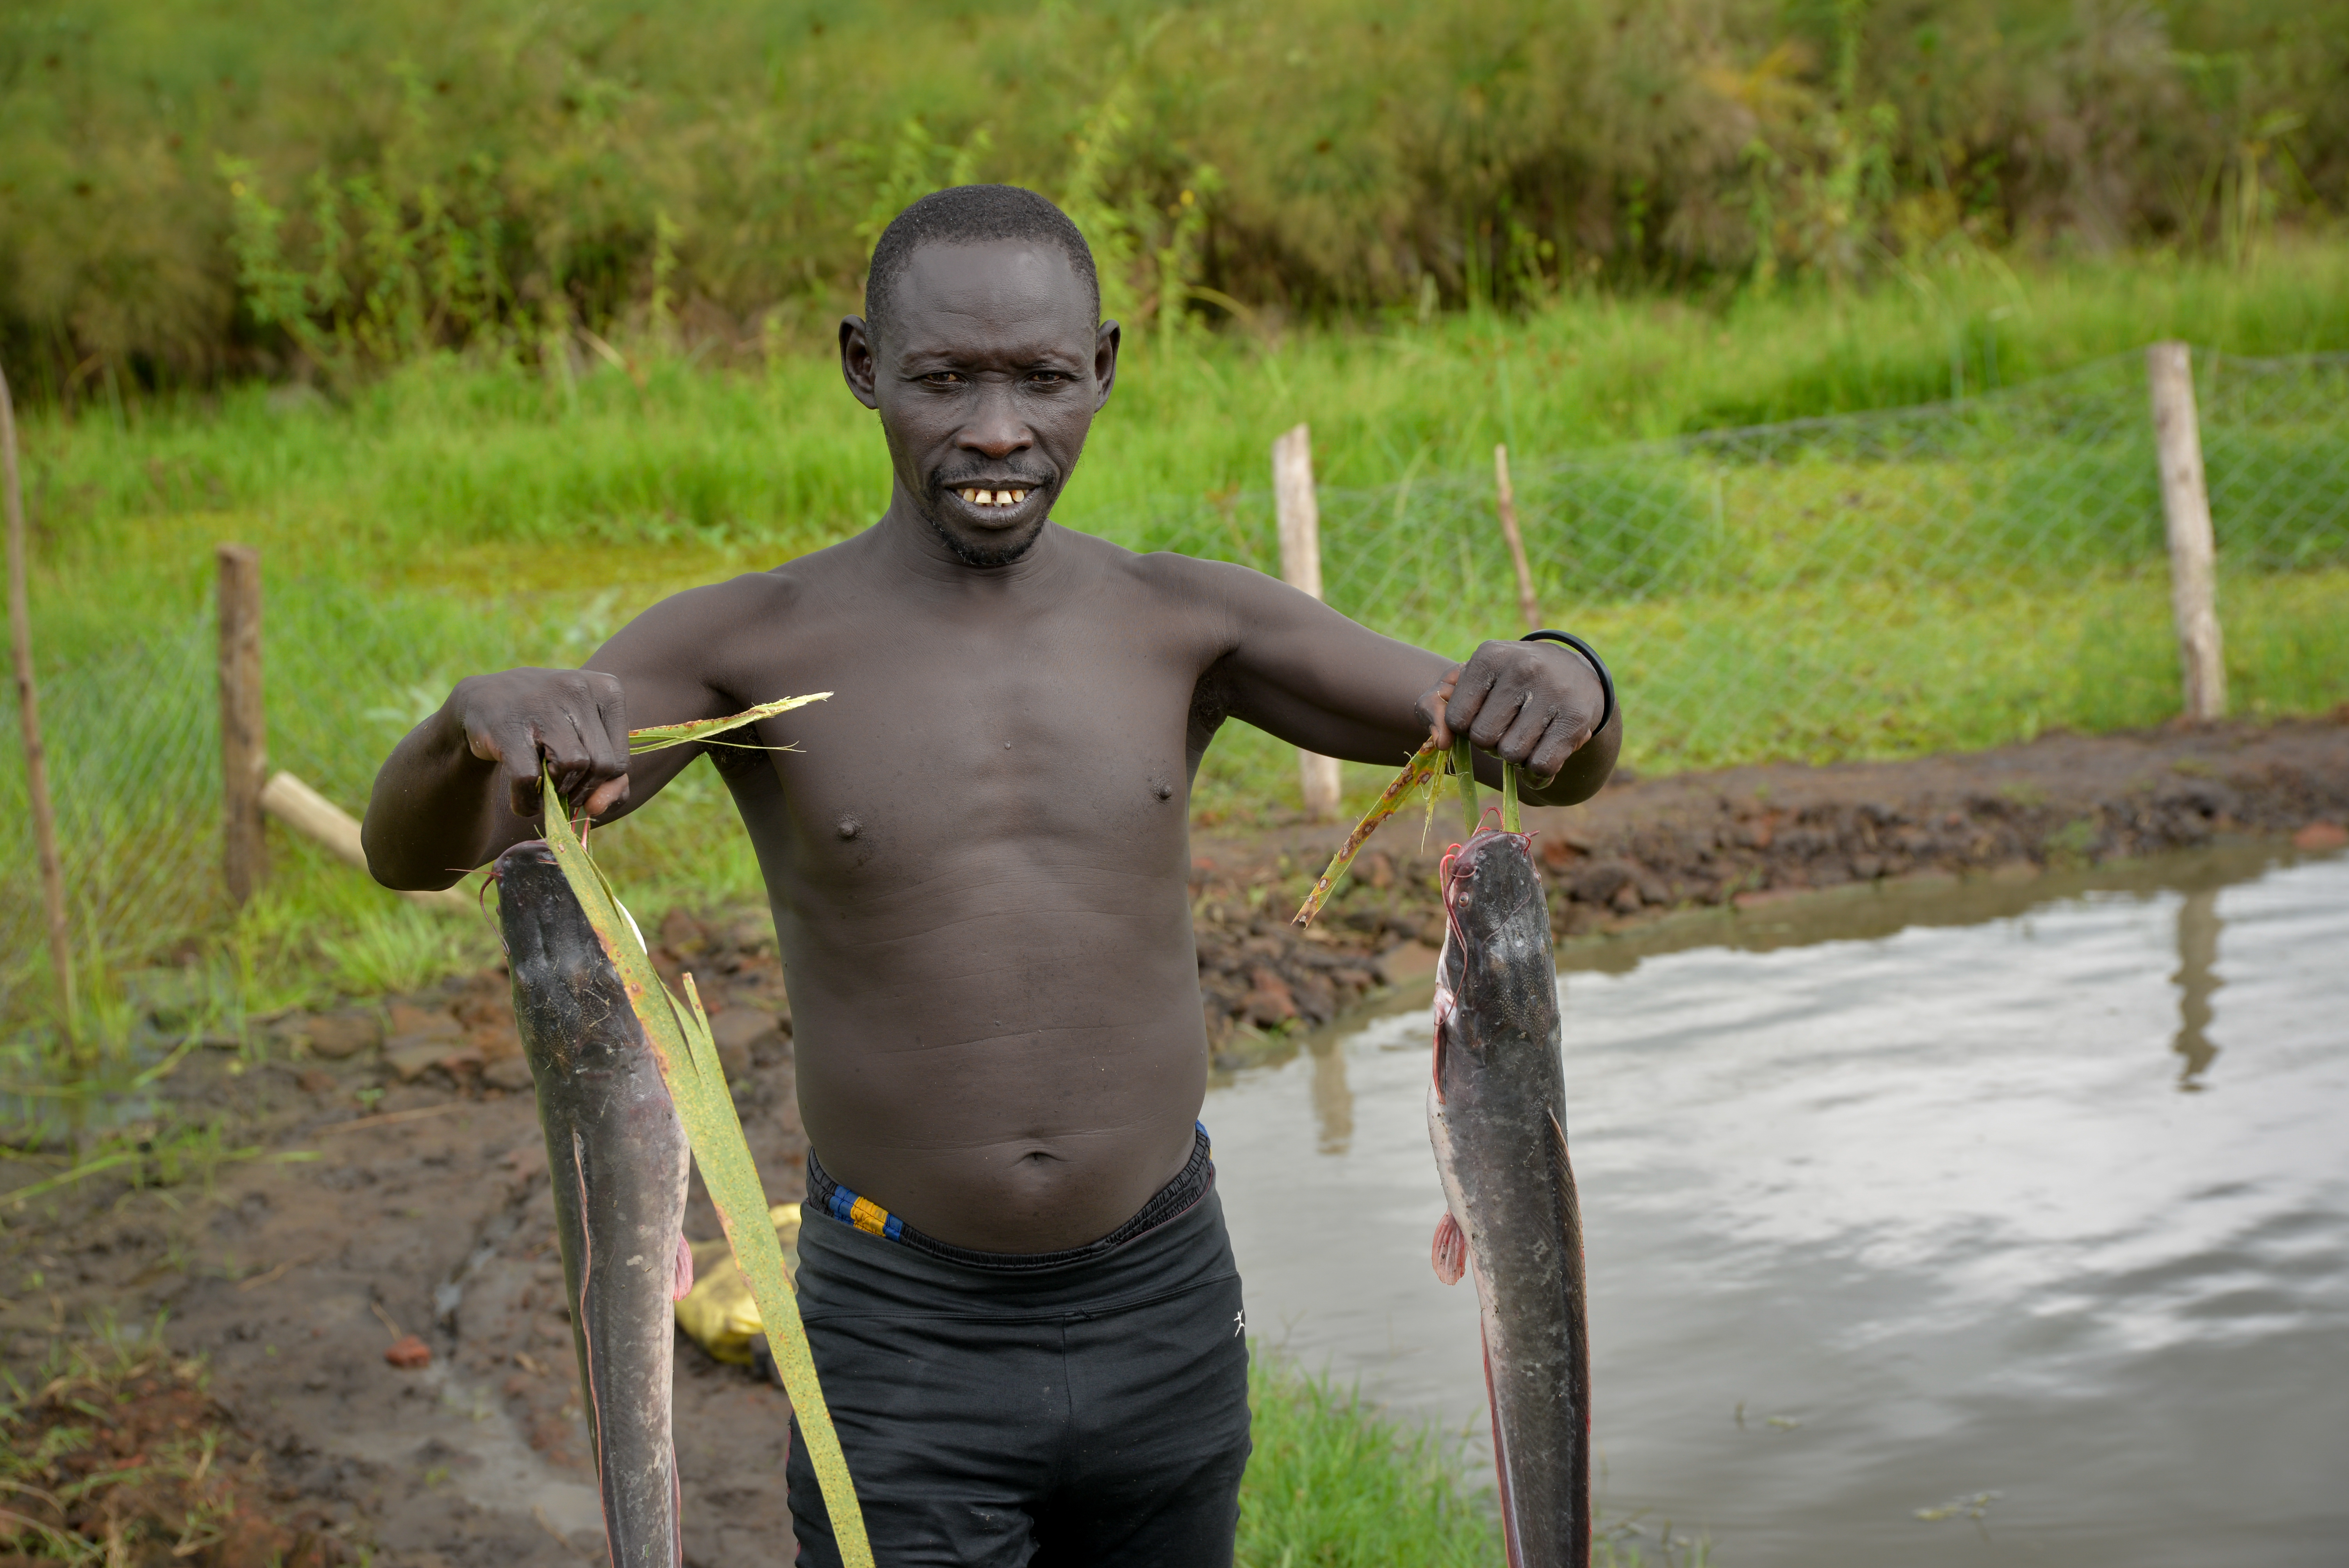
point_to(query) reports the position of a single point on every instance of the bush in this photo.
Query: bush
(193, 190)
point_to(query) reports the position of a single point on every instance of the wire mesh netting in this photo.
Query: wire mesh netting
(1965, 573)
(1836, 587)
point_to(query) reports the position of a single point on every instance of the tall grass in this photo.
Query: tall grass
(672, 471)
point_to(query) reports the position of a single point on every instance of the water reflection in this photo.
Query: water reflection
(1333, 1101)
(2196, 979)
(1911, 1178)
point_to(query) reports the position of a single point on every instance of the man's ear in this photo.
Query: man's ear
(858, 366)
(1105, 341)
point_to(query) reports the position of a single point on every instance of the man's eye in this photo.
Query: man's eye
(943, 379)
(1050, 378)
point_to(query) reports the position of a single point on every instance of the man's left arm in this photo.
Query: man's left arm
(1303, 671)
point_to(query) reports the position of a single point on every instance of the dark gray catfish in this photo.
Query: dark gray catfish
(1497, 1115)
(617, 1157)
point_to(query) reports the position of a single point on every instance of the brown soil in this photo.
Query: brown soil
(425, 1211)
(131, 1457)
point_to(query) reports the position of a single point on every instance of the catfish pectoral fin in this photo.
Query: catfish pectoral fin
(1450, 1252)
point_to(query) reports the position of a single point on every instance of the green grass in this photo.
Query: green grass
(437, 471)
(1334, 1484)
(1891, 587)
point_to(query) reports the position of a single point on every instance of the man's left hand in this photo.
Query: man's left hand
(1534, 705)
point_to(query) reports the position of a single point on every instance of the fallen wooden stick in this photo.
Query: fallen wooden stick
(306, 811)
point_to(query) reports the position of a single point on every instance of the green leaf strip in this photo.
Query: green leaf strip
(688, 1065)
(659, 737)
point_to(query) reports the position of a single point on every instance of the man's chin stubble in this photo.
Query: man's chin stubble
(981, 555)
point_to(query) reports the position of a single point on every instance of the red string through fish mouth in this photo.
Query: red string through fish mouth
(1451, 881)
(481, 905)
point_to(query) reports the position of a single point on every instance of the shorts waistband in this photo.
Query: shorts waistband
(828, 1197)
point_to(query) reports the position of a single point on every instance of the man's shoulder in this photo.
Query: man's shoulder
(1166, 569)
(758, 594)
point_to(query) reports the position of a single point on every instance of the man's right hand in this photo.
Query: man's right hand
(574, 721)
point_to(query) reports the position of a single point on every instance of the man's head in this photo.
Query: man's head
(983, 350)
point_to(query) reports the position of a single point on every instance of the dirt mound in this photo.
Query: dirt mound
(1746, 837)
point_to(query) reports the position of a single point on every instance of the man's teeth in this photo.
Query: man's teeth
(977, 497)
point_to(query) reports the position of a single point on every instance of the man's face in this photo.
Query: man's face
(986, 381)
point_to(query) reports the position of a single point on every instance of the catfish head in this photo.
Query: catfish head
(1489, 883)
(1498, 973)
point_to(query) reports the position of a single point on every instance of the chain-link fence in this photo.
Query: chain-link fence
(1964, 574)
(1833, 587)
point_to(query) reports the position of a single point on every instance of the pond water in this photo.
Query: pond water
(1931, 1226)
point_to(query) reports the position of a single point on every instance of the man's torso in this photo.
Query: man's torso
(977, 853)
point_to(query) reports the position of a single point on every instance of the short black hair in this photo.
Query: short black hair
(970, 215)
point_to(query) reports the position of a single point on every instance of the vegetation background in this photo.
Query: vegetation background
(189, 188)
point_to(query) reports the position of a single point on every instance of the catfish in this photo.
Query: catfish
(617, 1157)
(1497, 1117)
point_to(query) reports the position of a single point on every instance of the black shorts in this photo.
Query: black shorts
(1078, 1409)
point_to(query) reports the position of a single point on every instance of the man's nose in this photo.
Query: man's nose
(996, 429)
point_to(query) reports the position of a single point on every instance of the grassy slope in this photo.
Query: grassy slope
(678, 469)
(457, 517)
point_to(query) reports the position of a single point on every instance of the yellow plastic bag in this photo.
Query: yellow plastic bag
(718, 1313)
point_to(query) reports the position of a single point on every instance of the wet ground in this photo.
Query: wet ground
(381, 1175)
(399, 1189)
(2003, 1219)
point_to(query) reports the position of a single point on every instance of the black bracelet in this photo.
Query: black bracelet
(1606, 681)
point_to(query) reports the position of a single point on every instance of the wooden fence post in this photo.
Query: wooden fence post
(1527, 606)
(2193, 550)
(1301, 567)
(244, 757)
(29, 716)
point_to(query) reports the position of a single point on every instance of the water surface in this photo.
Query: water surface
(2025, 1208)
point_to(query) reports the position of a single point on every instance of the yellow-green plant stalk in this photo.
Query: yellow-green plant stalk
(679, 1036)
(1464, 767)
(1422, 771)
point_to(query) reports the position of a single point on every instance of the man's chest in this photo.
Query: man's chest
(942, 738)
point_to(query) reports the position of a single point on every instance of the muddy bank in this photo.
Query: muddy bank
(380, 1175)
(382, 1180)
(1746, 837)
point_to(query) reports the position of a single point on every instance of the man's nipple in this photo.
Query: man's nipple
(849, 827)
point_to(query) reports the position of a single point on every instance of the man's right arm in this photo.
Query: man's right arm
(462, 786)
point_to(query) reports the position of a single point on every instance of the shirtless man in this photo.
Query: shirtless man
(1024, 1306)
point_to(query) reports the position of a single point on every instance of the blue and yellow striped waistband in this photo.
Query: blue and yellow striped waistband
(865, 1214)
(827, 1196)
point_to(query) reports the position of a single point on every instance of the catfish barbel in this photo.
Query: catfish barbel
(1496, 1115)
(617, 1157)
